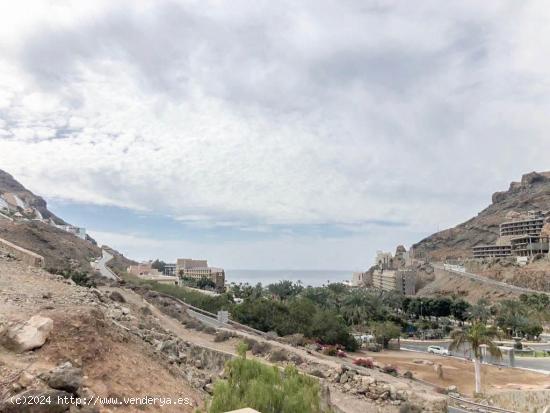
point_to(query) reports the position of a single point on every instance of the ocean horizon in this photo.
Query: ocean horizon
(315, 278)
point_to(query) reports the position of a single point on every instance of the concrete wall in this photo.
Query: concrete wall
(26, 256)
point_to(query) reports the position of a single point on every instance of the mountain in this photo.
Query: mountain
(26, 221)
(531, 193)
(17, 198)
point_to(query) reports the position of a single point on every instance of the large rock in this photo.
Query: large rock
(27, 336)
(65, 377)
(49, 401)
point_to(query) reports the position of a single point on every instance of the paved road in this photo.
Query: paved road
(539, 364)
(498, 284)
(101, 265)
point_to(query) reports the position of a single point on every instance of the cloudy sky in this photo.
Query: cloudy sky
(272, 134)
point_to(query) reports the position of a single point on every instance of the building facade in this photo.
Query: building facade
(361, 279)
(197, 269)
(403, 280)
(519, 238)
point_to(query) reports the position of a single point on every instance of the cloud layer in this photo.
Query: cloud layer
(258, 114)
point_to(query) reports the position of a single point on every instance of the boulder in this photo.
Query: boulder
(25, 379)
(116, 296)
(52, 401)
(65, 377)
(27, 336)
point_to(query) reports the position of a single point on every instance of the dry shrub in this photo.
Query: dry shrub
(278, 355)
(260, 348)
(223, 336)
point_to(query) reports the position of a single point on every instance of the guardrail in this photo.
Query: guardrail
(212, 315)
(469, 404)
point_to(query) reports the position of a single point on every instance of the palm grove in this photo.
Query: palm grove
(331, 313)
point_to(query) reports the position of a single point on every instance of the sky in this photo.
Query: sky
(262, 134)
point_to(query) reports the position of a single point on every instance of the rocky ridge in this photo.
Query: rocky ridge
(531, 193)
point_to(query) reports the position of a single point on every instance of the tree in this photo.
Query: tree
(385, 331)
(476, 337)
(459, 309)
(285, 289)
(512, 317)
(480, 311)
(328, 327)
(205, 283)
(158, 265)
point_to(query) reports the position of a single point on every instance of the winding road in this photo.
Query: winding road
(101, 265)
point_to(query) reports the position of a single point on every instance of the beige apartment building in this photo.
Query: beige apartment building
(197, 269)
(403, 280)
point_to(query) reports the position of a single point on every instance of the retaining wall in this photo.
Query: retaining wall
(24, 255)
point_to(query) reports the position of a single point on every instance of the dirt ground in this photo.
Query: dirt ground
(114, 363)
(460, 373)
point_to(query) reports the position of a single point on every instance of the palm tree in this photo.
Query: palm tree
(476, 336)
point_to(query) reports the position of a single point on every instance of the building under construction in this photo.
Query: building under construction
(522, 237)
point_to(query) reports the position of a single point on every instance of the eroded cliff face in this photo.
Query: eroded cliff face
(9, 185)
(531, 193)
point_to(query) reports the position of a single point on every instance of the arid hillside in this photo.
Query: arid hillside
(60, 249)
(531, 193)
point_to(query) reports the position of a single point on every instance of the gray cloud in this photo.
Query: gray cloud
(274, 112)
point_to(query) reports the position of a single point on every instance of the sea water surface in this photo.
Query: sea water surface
(315, 278)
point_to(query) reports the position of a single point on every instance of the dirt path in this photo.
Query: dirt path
(460, 373)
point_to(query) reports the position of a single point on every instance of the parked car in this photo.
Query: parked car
(442, 351)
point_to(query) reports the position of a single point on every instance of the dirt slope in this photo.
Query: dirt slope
(60, 249)
(115, 363)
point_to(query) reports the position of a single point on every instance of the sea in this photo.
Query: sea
(314, 278)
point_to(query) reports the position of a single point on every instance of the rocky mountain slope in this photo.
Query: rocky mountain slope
(13, 189)
(531, 193)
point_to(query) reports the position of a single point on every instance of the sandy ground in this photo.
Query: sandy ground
(461, 372)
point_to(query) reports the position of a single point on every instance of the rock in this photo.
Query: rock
(393, 392)
(367, 381)
(29, 335)
(209, 388)
(344, 378)
(408, 374)
(118, 297)
(452, 389)
(65, 377)
(198, 364)
(55, 405)
(47, 296)
(125, 310)
(25, 379)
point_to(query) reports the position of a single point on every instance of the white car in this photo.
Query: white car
(442, 351)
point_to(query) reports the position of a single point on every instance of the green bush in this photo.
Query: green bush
(266, 389)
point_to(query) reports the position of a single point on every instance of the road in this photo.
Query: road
(101, 265)
(539, 364)
(498, 284)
